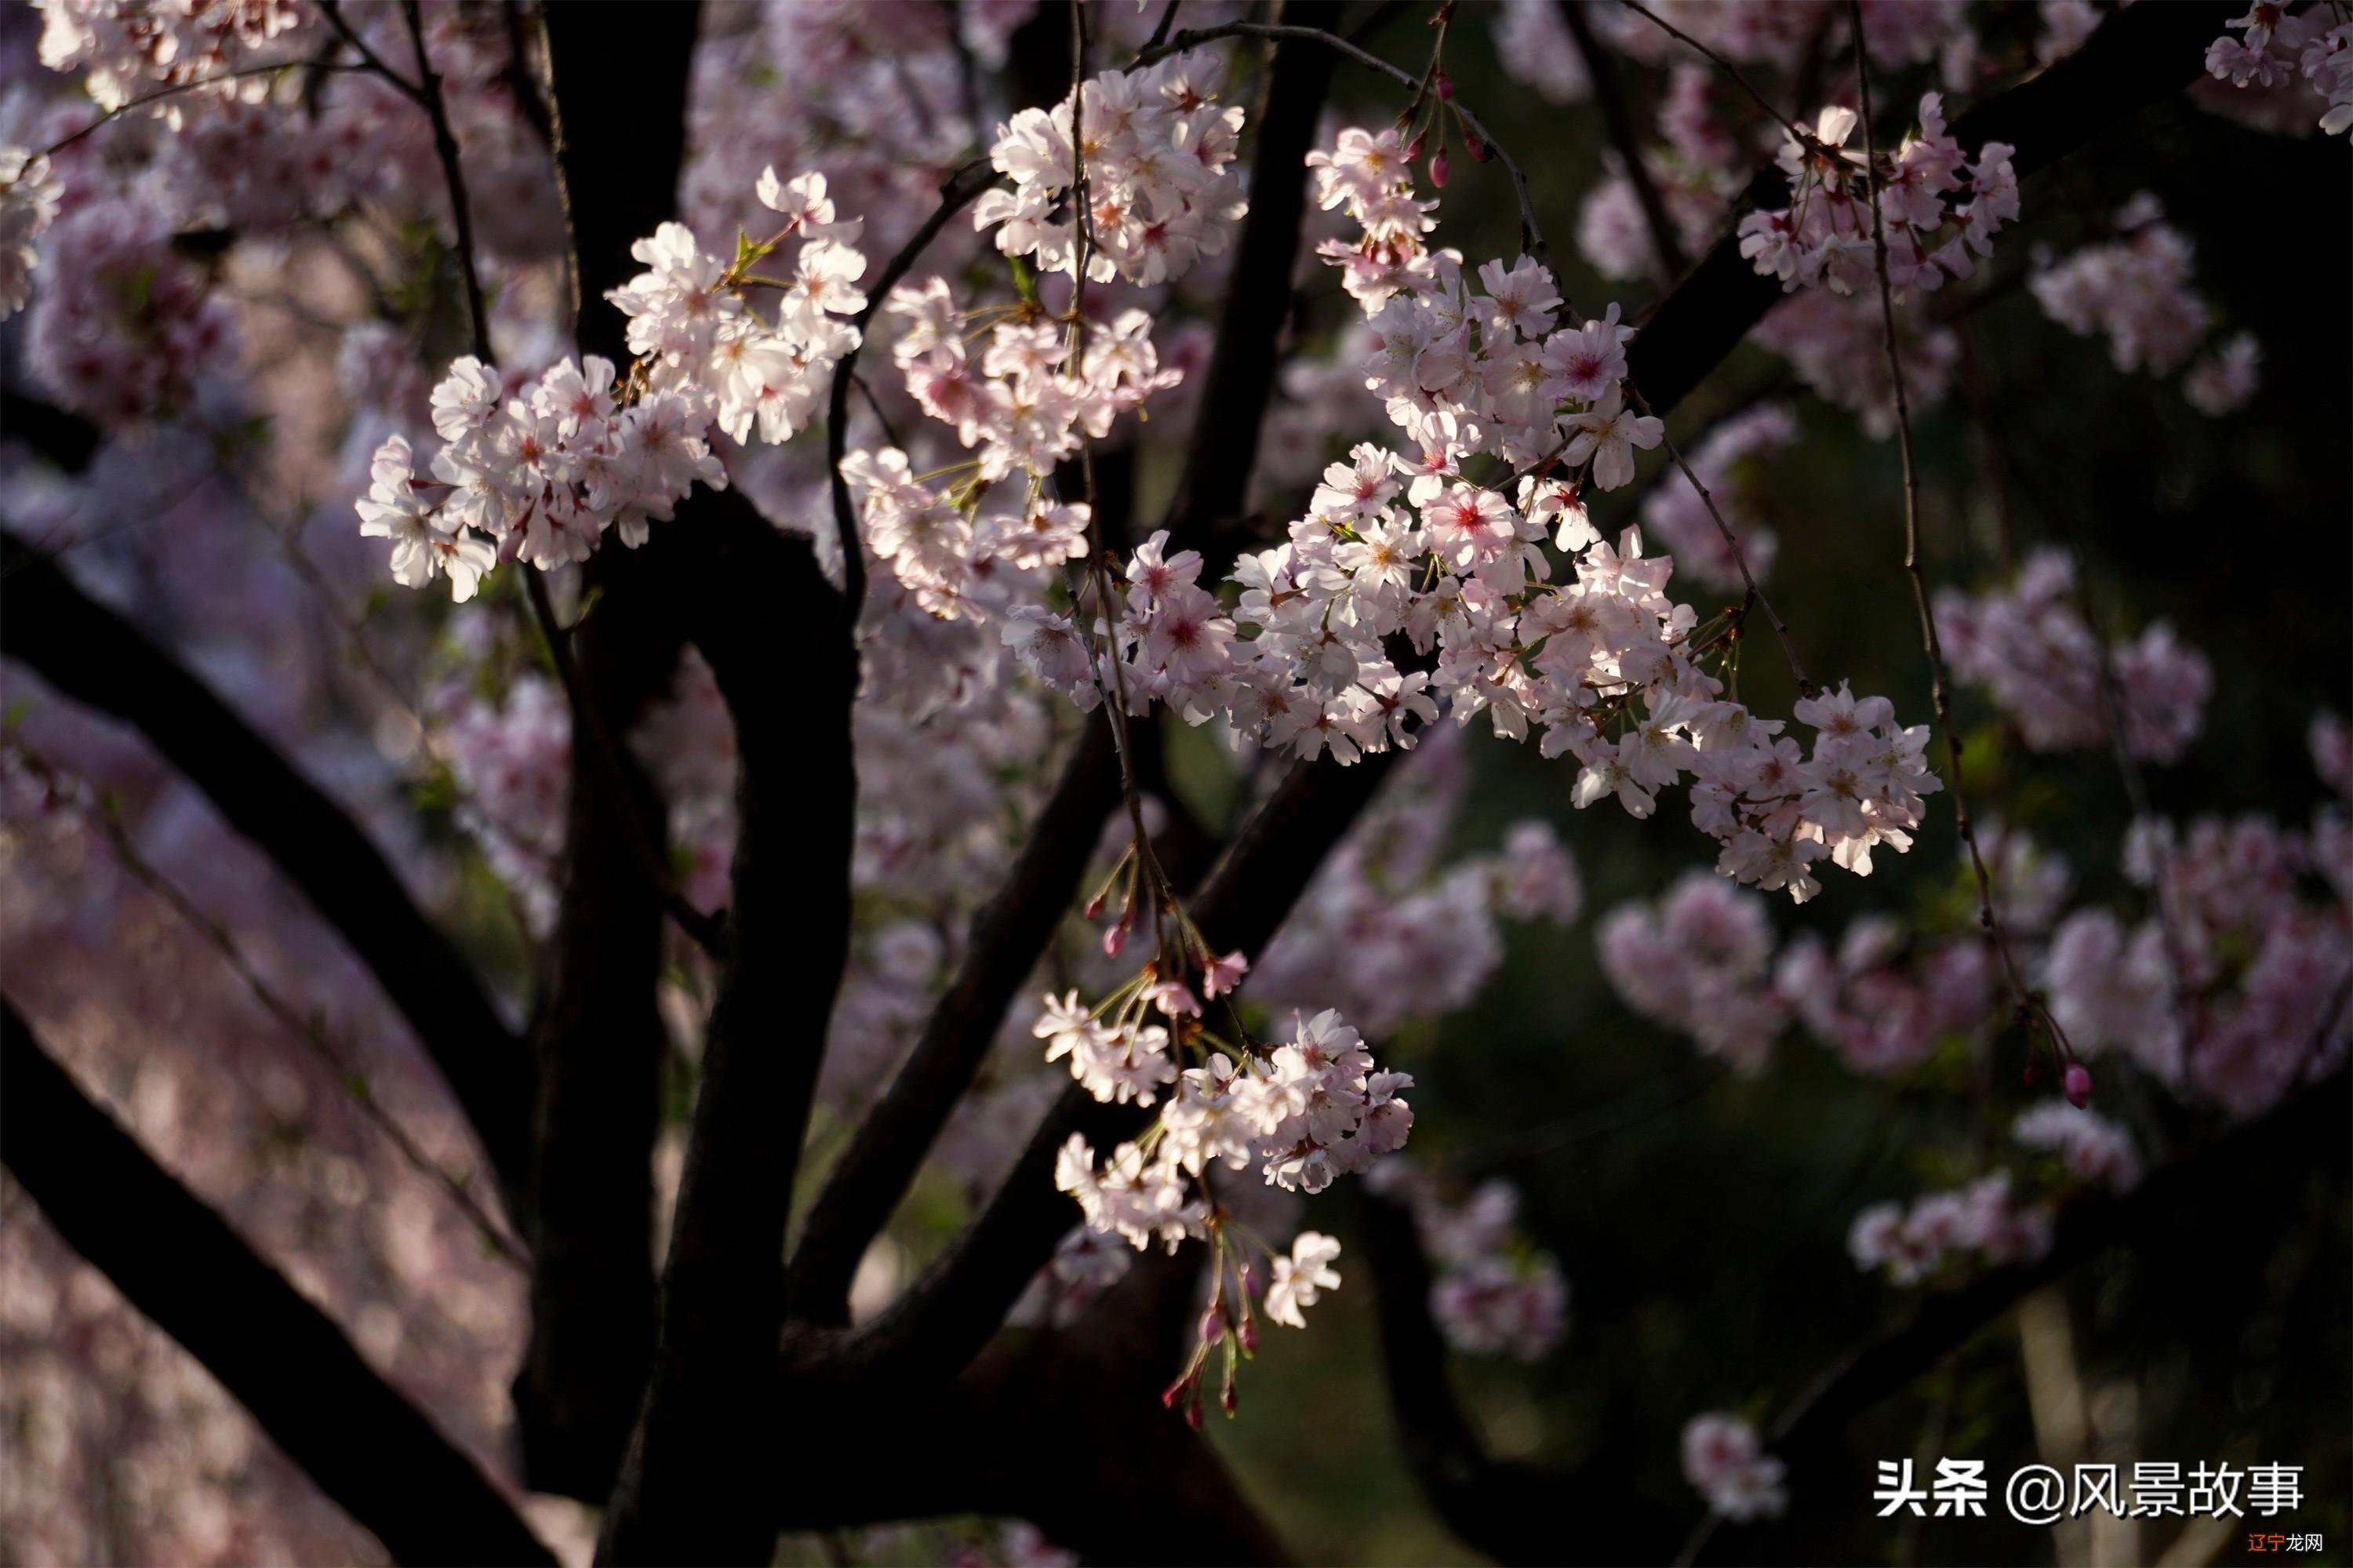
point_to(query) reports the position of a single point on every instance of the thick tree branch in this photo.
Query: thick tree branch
(96, 657)
(1511, 1511)
(598, 1036)
(1013, 928)
(180, 1264)
(706, 1454)
(1008, 934)
(1062, 1426)
(2139, 55)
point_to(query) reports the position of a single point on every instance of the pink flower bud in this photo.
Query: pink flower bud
(1192, 1414)
(2078, 1085)
(1227, 1398)
(1176, 1391)
(1413, 148)
(1437, 174)
(1213, 1325)
(1094, 911)
(1249, 1335)
(1445, 88)
(1114, 939)
(1472, 145)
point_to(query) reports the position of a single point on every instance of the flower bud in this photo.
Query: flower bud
(2078, 1085)
(1094, 911)
(1193, 1413)
(1249, 1335)
(1114, 938)
(1213, 1325)
(1445, 88)
(1227, 1398)
(1472, 145)
(1438, 168)
(1413, 148)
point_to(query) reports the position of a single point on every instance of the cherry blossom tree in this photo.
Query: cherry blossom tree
(753, 786)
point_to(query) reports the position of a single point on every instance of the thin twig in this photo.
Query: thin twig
(1617, 118)
(1115, 698)
(1160, 29)
(1531, 233)
(369, 58)
(306, 1029)
(1788, 650)
(1938, 679)
(1724, 65)
(127, 105)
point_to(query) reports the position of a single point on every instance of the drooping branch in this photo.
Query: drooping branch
(1012, 929)
(933, 1331)
(180, 1264)
(95, 656)
(961, 188)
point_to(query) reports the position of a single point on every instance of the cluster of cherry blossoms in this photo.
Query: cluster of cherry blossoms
(2271, 48)
(1023, 405)
(126, 50)
(1400, 551)
(2136, 291)
(1941, 211)
(1154, 180)
(1725, 1461)
(1983, 1218)
(2030, 649)
(539, 470)
(1492, 1291)
(1303, 1112)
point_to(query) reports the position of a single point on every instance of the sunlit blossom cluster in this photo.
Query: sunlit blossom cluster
(957, 540)
(1156, 190)
(540, 470)
(1403, 552)
(1941, 208)
(123, 50)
